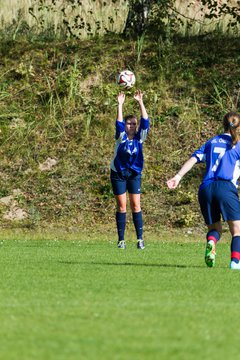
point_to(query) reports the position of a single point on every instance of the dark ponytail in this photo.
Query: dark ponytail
(231, 124)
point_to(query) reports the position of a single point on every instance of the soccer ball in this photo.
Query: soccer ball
(126, 79)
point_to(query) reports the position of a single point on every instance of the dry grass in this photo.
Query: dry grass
(92, 17)
(89, 18)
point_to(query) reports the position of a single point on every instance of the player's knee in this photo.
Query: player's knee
(135, 208)
(236, 231)
(121, 208)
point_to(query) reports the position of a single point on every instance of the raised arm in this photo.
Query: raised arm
(187, 166)
(121, 99)
(139, 97)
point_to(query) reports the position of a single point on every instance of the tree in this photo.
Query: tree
(146, 15)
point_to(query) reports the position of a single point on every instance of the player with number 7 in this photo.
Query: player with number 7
(217, 197)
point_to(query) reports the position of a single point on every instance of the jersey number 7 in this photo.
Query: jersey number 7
(220, 151)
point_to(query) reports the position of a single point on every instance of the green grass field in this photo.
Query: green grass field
(82, 298)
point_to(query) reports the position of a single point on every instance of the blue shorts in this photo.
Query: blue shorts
(127, 180)
(219, 198)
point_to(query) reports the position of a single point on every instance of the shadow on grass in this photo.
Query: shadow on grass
(129, 264)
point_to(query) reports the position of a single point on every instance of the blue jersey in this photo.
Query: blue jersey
(229, 167)
(211, 153)
(128, 154)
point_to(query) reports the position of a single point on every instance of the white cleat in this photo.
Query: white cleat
(121, 245)
(140, 244)
(234, 266)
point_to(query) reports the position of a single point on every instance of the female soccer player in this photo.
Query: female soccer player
(127, 165)
(218, 197)
(227, 175)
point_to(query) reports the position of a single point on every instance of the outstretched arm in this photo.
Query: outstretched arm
(121, 99)
(139, 97)
(187, 166)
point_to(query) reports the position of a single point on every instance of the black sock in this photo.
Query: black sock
(213, 235)
(235, 249)
(138, 223)
(121, 224)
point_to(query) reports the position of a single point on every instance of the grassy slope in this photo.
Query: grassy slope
(58, 100)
